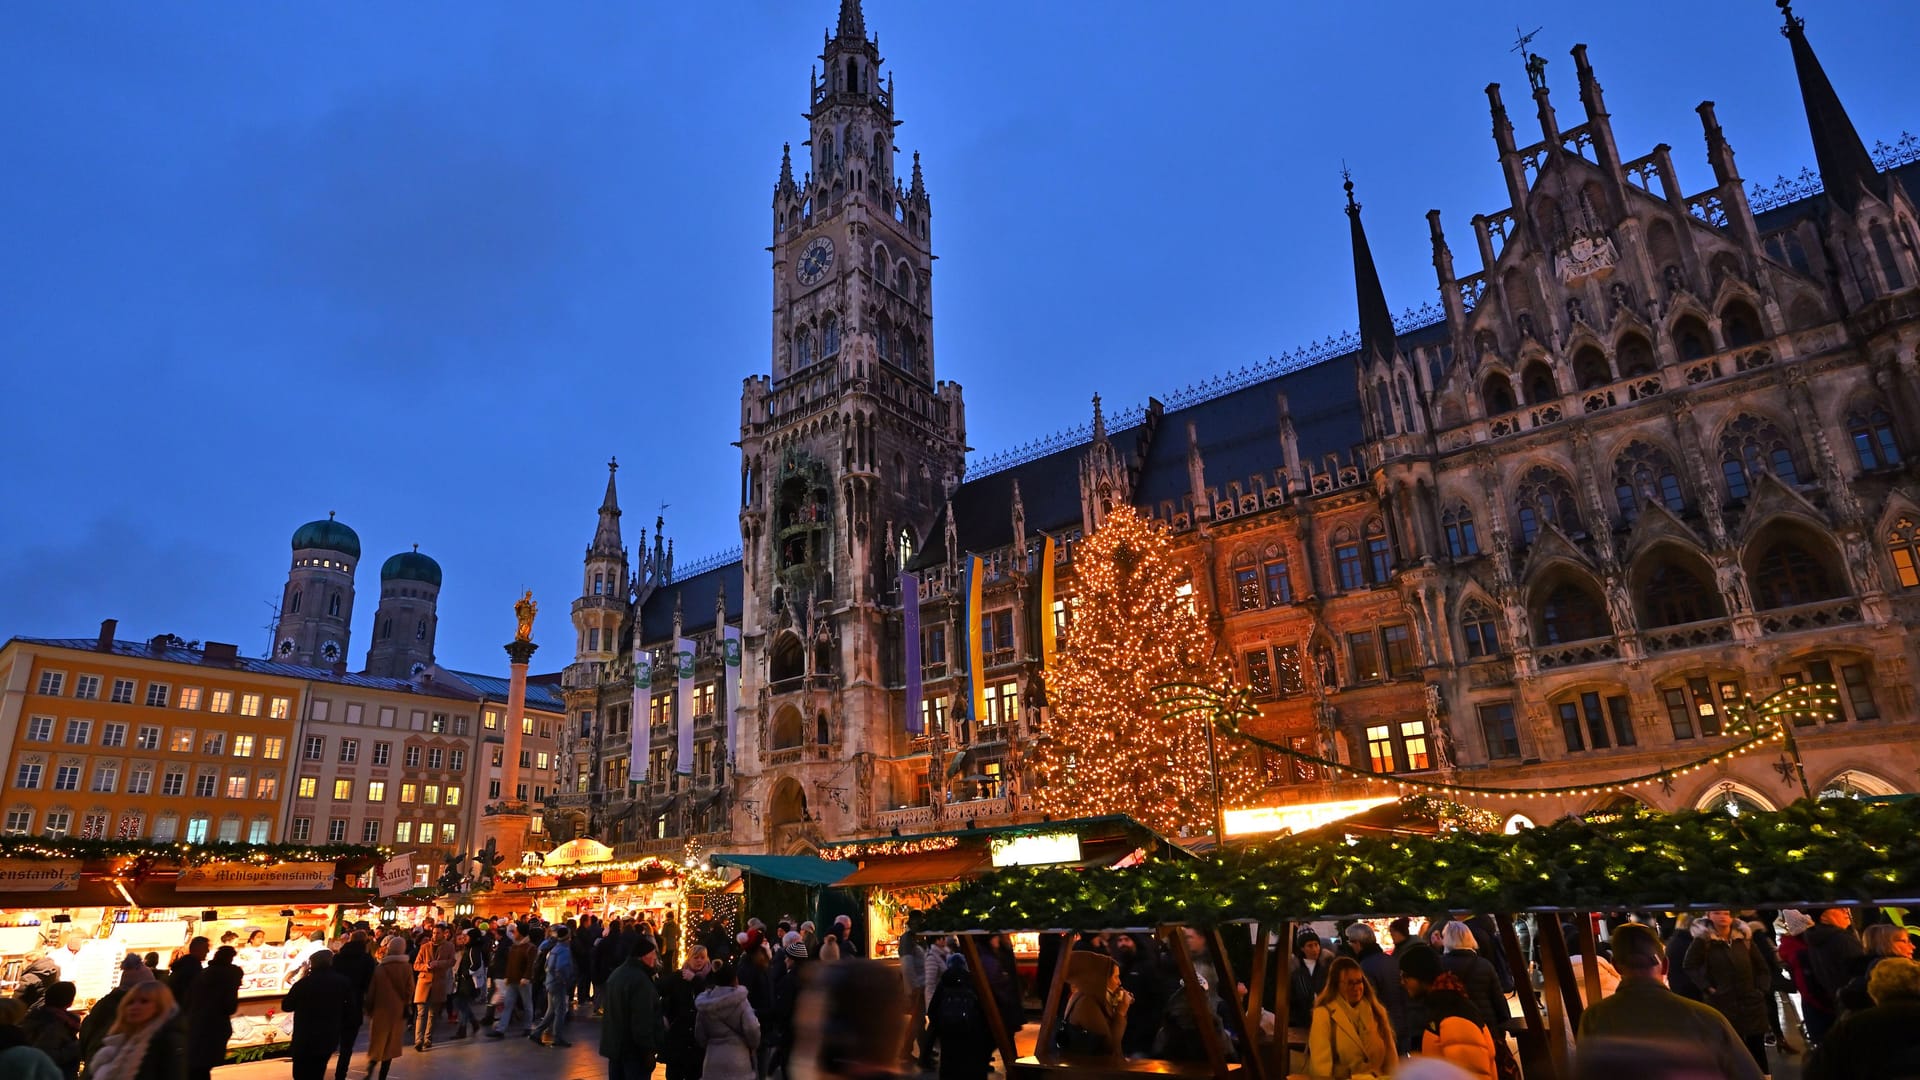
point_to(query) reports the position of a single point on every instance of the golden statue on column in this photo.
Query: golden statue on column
(523, 612)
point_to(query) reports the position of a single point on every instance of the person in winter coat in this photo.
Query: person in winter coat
(211, 1003)
(1678, 944)
(1142, 974)
(669, 943)
(321, 1001)
(678, 990)
(778, 1025)
(1732, 977)
(957, 1024)
(560, 977)
(1879, 1043)
(1094, 1023)
(1476, 972)
(19, 1061)
(186, 967)
(100, 1018)
(433, 964)
(1880, 942)
(1453, 1029)
(1383, 972)
(1832, 949)
(469, 983)
(40, 973)
(726, 1026)
(630, 1030)
(147, 1040)
(1351, 1033)
(1644, 1011)
(1308, 978)
(389, 993)
(1487, 933)
(355, 964)
(52, 1028)
(516, 980)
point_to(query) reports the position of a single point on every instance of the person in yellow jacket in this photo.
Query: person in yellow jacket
(1351, 1034)
(1456, 1030)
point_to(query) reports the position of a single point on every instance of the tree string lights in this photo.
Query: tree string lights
(1107, 749)
(1765, 722)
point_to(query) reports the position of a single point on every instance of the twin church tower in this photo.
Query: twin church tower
(316, 610)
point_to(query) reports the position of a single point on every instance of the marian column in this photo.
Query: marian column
(505, 825)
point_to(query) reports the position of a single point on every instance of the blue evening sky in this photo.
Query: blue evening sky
(430, 264)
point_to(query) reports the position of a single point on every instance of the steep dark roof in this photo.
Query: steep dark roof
(696, 595)
(1846, 168)
(543, 691)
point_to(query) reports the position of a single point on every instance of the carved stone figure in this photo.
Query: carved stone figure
(523, 612)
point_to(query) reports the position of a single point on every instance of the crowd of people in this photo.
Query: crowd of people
(1719, 992)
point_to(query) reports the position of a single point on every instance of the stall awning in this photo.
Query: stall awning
(931, 868)
(799, 869)
(89, 893)
(162, 894)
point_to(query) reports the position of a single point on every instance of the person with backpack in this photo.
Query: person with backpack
(1454, 1030)
(559, 987)
(957, 1024)
(726, 1026)
(469, 983)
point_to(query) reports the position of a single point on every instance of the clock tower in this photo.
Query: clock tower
(849, 446)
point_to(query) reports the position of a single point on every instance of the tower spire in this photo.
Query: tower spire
(853, 24)
(785, 182)
(606, 536)
(1846, 168)
(1376, 320)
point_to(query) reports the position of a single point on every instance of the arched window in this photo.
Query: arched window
(904, 546)
(1691, 338)
(822, 732)
(879, 153)
(902, 280)
(1643, 475)
(386, 628)
(1739, 323)
(1457, 524)
(1480, 631)
(1545, 497)
(909, 353)
(1590, 368)
(294, 606)
(1246, 582)
(786, 731)
(1572, 612)
(333, 604)
(1497, 394)
(1733, 801)
(1635, 356)
(1873, 441)
(802, 348)
(830, 335)
(1379, 552)
(882, 344)
(881, 260)
(1750, 446)
(1595, 719)
(1883, 250)
(1787, 574)
(599, 584)
(1675, 593)
(1279, 579)
(420, 631)
(1903, 547)
(1382, 407)
(1538, 380)
(1347, 563)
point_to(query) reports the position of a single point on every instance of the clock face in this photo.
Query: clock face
(330, 651)
(417, 667)
(816, 260)
(286, 646)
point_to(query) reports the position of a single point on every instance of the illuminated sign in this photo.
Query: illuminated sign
(1036, 849)
(39, 875)
(582, 850)
(1297, 818)
(251, 877)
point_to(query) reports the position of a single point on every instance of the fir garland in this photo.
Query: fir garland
(155, 851)
(1831, 851)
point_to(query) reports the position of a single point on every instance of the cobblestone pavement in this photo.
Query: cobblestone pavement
(473, 1058)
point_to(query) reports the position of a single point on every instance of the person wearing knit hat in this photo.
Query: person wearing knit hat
(630, 1027)
(1790, 945)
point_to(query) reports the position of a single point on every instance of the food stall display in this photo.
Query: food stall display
(583, 877)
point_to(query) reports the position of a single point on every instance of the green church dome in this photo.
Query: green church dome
(411, 566)
(328, 535)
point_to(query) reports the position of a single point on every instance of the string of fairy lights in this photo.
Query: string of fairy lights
(1767, 722)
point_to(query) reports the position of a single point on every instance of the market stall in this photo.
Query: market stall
(899, 875)
(1835, 852)
(773, 886)
(582, 877)
(88, 903)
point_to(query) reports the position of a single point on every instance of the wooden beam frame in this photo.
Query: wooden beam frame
(1229, 991)
(1002, 1037)
(1280, 1051)
(1045, 1050)
(1535, 1058)
(1196, 999)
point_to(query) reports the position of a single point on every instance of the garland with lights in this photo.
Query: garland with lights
(1450, 816)
(905, 845)
(696, 878)
(43, 848)
(1831, 851)
(1107, 749)
(1764, 722)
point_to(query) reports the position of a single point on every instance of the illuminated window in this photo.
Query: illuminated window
(933, 714)
(491, 719)
(403, 832)
(409, 793)
(213, 743)
(260, 831)
(1003, 703)
(1183, 594)
(343, 791)
(453, 795)
(237, 786)
(197, 828)
(308, 787)
(540, 760)
(703, 699)
(220, 701)
(189, 698)
(377, 791)
(431, 795)
(249, 704)
(243, 746)
(1413, 743)
(271, 747)
(1380, 748)
(281, 708)
(182, 741)
(264, 786)
(446, 832)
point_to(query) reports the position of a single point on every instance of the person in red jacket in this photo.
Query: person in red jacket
(1455, 1031)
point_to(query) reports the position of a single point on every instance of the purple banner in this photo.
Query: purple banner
(910, 631)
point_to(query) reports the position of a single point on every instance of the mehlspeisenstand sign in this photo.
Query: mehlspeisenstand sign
(250, 877)
(39, 875)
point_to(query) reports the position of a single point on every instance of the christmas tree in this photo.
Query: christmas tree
(1109, 747)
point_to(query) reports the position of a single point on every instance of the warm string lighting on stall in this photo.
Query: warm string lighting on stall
(909, 845)
(25, 847)
(1769, 721)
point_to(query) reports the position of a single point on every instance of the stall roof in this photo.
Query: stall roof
(799, 869)
(929, 868)
(1086, 827)
(162, 894)
(90, 893)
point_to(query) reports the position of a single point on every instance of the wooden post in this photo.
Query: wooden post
(1280, 1053)
(1044, 1048)
(1535, 1061)
(1562, 960)
(1589, 958)
(1257, 987)
(1196, 1000)
(998, 1024)
(1554, 965)
(1229, 991)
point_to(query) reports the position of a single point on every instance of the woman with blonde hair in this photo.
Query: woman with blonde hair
(1351, 1035)
(147, 1040)
(388, 996)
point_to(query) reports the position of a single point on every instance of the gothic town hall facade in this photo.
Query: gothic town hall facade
(1656, 456)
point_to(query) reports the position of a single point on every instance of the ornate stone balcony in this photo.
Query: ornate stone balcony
(1568, 654)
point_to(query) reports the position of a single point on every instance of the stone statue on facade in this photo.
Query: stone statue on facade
(524, 610)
